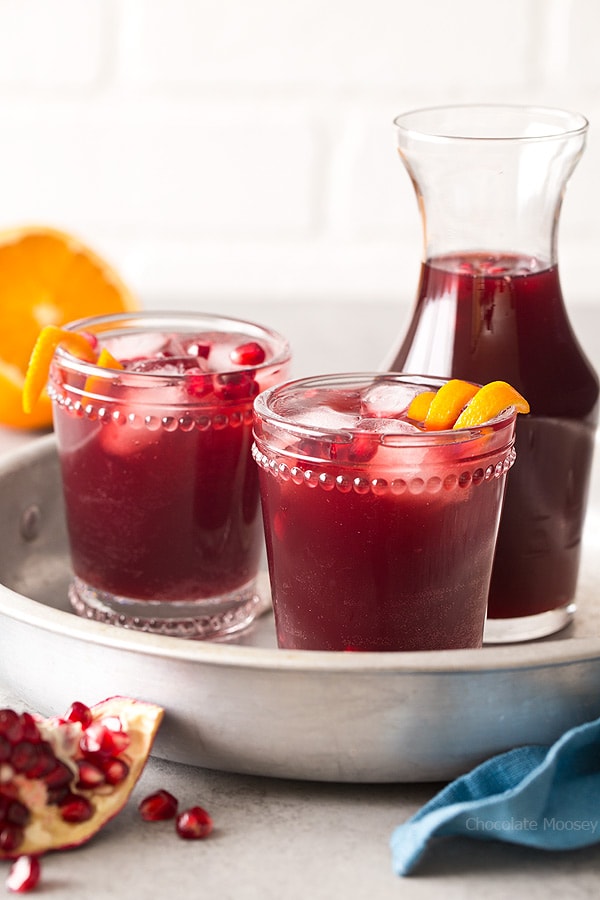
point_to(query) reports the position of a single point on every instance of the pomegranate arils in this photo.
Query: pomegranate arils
(5, 748)
(198, 349)
(79, 712)
(24, 874)
(10, 725)
(11, 837)
(198, 384)
(237, 386)
(194, 824)
(16, 814)
(115, 771)
(158, 806)
(24, 756)
(59, 776)
(250, 354)
(29, 729)
(90, 776)
(101, 739)
(45, 761)
(75, 808)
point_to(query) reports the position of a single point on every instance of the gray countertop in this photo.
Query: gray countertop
(290, 840)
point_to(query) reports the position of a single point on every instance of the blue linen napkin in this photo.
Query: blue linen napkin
(538, 796)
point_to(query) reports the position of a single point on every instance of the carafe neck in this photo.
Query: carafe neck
(490, 179)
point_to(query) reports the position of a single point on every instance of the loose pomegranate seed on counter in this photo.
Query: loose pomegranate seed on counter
(158, 806)
(24, 874)
(194, 824)
(250, 354)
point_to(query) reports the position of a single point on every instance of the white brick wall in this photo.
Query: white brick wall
(229, 150)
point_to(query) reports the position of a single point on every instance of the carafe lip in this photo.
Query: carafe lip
(495, 122)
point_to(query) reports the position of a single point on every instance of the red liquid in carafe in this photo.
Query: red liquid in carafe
(483, 318)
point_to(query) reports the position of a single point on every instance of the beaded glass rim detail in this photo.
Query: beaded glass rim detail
(344, 483)
(110, 413)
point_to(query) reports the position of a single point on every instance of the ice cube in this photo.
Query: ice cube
(136, 346)
(387, 399)
(388, 426)
(324, 418)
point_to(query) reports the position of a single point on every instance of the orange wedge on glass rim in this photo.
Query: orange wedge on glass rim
(489, 401)
(105, 361)
(47, 277)
(461, 404)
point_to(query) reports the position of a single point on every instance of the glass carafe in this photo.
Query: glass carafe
(490, 182)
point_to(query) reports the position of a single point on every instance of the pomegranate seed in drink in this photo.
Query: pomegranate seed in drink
(24, 874)
(194, 824)
(196, 348)
(250, 354)
(158, 806)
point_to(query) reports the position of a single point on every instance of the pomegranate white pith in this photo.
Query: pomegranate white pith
(62, 780)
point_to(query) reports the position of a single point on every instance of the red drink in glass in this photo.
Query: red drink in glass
(485, 317)
(161, 494)
(380, 537)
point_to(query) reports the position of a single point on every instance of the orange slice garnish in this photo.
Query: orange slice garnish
(460, 404)
(419, 406)
(39, 364)
(488, 402)
(47, 277)
(448, 403)
(105, 361)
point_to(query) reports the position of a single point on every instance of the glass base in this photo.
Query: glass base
(211, 619)
(528, 628)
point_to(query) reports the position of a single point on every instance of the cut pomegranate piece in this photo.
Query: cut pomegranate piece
(158, 806)
(64, 778)
(194, 824)
(250, 354)
(24, 874)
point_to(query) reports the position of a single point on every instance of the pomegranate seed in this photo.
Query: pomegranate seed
(98, 738)
(29, 729)
(198, 349)
(11, 836)
(198, 383)
(237, 386)
(24, 874)
(24, 756)
(194, 824)
(158, 806)
(76, 808)
(79, 712)
(17, 814)
(115, 770)
(250, 354)
(5, 748)
(90, 776)
(360, 450)
(59, 776)
(46, 761)
(10, 725)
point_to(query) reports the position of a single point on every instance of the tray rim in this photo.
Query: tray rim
(509, 657)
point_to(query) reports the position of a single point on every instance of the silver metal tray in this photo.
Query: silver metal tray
(250, 708)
